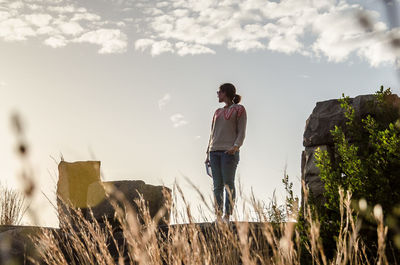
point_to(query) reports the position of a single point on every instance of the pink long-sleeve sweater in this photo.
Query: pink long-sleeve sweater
(228, 128)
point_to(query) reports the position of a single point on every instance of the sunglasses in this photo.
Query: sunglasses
(219, 92)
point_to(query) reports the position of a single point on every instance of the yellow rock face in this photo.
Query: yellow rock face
(74, 181)
(96, 193)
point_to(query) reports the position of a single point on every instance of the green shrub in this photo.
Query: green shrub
(365, 161)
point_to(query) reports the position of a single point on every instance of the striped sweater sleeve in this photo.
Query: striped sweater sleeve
(241, 126)
(212, 127)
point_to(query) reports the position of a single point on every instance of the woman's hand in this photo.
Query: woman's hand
(233, 150)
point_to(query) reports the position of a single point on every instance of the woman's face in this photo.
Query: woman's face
(221, 96)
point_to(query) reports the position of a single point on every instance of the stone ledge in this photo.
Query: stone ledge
(20, 247)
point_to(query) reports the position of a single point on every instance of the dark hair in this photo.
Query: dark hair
(230, 92)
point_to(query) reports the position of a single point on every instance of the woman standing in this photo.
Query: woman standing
(228, 130)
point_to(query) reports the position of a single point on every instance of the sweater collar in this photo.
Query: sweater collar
(229, 106)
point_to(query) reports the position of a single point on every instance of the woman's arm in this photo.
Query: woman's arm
(209, 140)
(241, 126)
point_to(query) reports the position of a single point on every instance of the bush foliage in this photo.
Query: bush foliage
(366, 162)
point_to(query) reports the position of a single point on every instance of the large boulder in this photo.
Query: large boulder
(72, 186)
(16, 245)
(155, 197)
(74, 180)
(325, 116)
(310, 172)
(79, 186)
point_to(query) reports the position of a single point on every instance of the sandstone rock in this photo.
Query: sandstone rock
(74, 180)
(72, 186)
(4, 228)
(317, 188)
(310, 167)
(79, 185)
(323, 118)
(16, 245)
(310, 172)
(327, 114)
(153, 195)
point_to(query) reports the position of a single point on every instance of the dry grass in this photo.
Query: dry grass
(12, 206)
(84, 242)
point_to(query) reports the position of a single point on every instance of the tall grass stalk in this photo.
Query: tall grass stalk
(12, 206)
(85, 242)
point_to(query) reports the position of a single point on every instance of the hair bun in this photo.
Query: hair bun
(237, 98)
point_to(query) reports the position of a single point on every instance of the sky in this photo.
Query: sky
(133, 84)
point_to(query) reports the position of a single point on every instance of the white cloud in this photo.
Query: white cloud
(143, 44)
(129, 19)
(47, 30)
(15, 29)
(4, 15)
(86, 16)
(160, 47)
(34, 7)
(16, 5)
(152, 11)
(62, 9)
(178, 120)
(241, 25)
(50, 1)
(39, 20)
(162, 4)
(155, 47)
(59, 22)
(185, 48)
(285, 44)
(246, 45)
(181, 12)
(330, 27)
(56, 41)
(120, 24)
(164, 100)
(339, 35)
(110, 40)
(70, 28)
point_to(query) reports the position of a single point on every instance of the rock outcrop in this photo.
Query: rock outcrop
(72, 187)
(156, 197)
(323, 118)
(80, 186)
(16, 245)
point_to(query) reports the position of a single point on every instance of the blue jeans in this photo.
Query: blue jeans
(223, 168)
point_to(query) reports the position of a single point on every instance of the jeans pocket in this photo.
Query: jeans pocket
(232, 158)
(237, 156)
